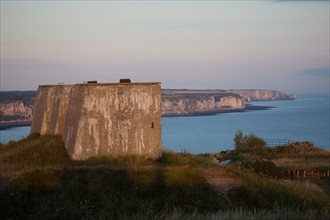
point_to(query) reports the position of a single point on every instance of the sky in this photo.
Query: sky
(276, 44)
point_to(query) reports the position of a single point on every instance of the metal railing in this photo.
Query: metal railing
(277, 142)
(309, 174)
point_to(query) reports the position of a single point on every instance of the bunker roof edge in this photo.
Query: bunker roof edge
(103, 84)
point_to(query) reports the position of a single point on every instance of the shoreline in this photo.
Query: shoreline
(248, 107)
(4, 125)
(251, 107)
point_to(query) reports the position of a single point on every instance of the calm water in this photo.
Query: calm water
(306, 118)
(14, 134)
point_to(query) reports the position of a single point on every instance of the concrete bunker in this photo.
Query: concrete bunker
(102, 119)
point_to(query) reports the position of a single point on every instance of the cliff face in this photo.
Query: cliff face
(199, 104)
(15, 110)
(230, 103)
(261, 95)
(194, 102)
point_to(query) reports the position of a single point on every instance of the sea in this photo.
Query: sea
(303, 119)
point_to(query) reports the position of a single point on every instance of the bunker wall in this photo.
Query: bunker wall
(102, 119)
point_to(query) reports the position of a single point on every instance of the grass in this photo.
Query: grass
(45, 183)
(32, 153)
(305, 185)
(39, 181)
(303, 156)
(107, 193)
(265, 193)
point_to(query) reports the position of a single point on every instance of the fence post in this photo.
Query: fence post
(312, 173)
(328, 174)
(297, 174)
(318, 174)
(304, 174)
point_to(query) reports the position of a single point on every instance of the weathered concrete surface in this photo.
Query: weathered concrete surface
(43, 109)
(102, 119)
(50, 109)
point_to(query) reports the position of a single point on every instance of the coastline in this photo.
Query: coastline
(248, 107)
(4, 125)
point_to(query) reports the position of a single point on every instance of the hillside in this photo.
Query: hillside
(39, 181)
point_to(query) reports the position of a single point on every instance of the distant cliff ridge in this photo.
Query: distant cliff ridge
(15, 111)
(17, 106)
(247, 94)
(261, 95)
(194, 104)
(180, 102)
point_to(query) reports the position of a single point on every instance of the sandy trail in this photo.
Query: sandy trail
(220, 181)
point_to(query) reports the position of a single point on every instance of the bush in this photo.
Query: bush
(246, 143)
(262, 167)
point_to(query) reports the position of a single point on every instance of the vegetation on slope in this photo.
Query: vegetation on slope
(39, 181)
(25, 96)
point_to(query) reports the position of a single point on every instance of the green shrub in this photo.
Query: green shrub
(170, 158)
(262, 167)
(249, 143)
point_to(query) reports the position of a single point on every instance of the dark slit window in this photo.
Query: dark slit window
(152, 125)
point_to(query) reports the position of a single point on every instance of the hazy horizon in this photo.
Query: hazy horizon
(277, 45)
(297, 93)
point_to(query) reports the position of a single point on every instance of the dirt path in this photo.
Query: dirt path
(3, 183)
(220, 181)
